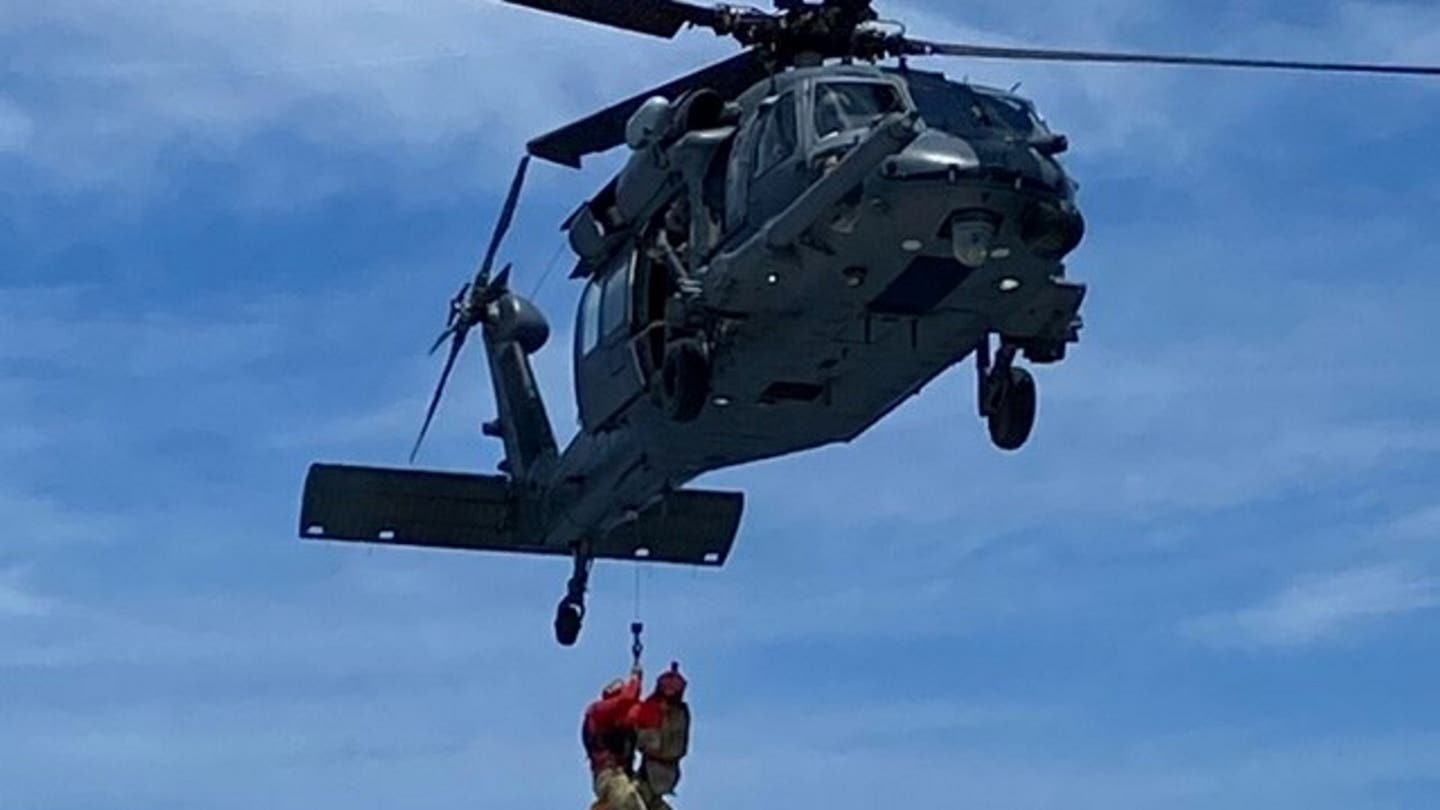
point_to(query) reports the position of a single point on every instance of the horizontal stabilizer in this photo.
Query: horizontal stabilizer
(483, 513)
(688, 526)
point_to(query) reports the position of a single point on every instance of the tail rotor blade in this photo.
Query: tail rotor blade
(455, 346)
(501, 282)
(440, 341)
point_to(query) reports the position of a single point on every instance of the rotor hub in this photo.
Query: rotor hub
(834, 29)
(808, 33)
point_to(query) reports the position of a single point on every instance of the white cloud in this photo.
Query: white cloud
(37, 522)
(15, 127)
(849, 756)
(19, 601)
(1422, 525)
(421, 78)
(415, 78)
(59, 327)
(262, 650)
(1320, 608)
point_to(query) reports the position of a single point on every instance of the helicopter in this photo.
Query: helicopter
(802, 238)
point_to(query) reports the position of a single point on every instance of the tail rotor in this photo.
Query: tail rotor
(473, 305)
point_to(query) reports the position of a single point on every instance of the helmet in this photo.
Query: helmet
(672, 683)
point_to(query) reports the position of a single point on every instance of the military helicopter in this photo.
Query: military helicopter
(800, 240)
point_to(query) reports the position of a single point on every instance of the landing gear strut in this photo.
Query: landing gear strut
(1008, 397)
(570, 614)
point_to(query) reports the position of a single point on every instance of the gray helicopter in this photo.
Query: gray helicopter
(800, 241)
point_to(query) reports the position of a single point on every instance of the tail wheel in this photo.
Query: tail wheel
(684, 379)
(569, 616)
(1013, 417)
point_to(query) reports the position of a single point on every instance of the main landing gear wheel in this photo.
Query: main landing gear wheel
(1008, 396)
(684, 379)
(1012, 416)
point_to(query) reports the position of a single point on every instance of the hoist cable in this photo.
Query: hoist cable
(637, 592)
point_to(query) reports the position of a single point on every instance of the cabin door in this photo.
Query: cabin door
(607, 377)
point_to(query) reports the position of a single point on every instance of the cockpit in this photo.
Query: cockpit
(971, 111)
(850, 104)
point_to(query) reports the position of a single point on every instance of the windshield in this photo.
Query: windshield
(845, 106)
(969, 111)
(1007, 112)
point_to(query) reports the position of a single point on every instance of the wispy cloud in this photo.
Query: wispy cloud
(421, 78)
(1321, 608)
(415, 78)
(15, 127)
(19, 601)
(1420, 525)
(38, 523)
(930, 620)
(986, 767)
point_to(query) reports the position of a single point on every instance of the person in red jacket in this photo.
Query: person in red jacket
(609, 738)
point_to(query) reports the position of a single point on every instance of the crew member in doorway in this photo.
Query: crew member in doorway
(608, 734)
(662, 724)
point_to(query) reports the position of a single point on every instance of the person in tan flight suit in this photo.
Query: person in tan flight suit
(662, 733)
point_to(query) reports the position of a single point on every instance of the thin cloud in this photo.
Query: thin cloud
(207, 635)
(421, 78)
(1423, 524)
(1318, 609)
(18, 601)
(16, 128)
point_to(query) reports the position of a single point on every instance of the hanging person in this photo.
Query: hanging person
(608, 734)
(662, 725)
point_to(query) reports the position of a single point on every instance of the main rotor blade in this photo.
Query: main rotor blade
(658, 18)
(507, 216)
(455, 346)
(918, 47)
(605, 130)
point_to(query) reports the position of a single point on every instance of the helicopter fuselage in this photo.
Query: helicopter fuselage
(839, 240)
(798, 243)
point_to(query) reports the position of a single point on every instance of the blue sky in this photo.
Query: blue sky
(228, 231)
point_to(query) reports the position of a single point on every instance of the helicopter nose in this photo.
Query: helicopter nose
(934, 154)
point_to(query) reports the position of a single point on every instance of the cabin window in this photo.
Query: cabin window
(590, 318)
(844, 106)
(778, 138)
(615, 309)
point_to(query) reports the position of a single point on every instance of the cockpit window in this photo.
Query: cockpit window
(778, 138)
(1006, 112)
(850, 105)
(974, 112)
